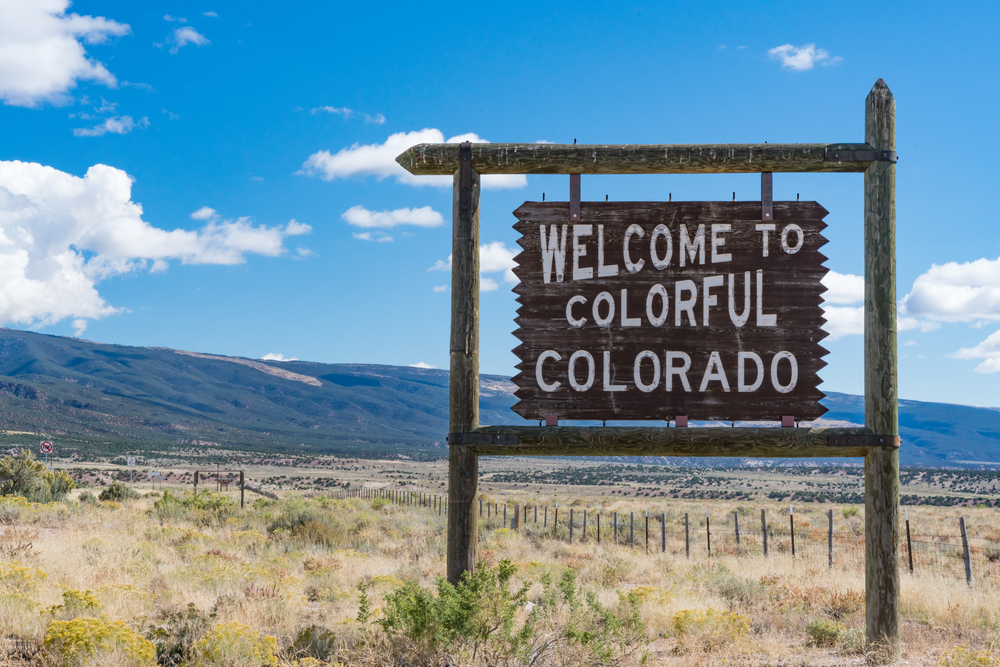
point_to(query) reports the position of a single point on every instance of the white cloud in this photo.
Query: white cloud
(956, 292)
(212, 14)
(114, 125)
(184, 36)
(377, 119)
(204, 213)
(989, 350)
(168, 17)
(440, 288)
(844, 321)
(843, 288)
(493, 258)
(359, 216)
(79, 326)
(378, 237)
(41, 55)
(61, 234)
(271, 356)
(379, 160)
(801, 58)
(909, 343)
(421, 364)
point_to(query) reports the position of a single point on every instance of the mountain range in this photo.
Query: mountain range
(109, 398)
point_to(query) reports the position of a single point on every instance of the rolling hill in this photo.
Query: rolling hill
(110, 398)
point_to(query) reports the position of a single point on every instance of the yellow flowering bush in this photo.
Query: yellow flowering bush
(235, 645)
(963, 656)
(15, 578)
(83, 640)
(77, 603)
(709, 629)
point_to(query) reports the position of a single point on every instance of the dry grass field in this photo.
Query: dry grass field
(315, 579)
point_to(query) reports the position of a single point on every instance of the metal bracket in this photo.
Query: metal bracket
(834, 155)
(552, 420)
(862, 441)
(766, 197)
(483, 439)
(787, 421)
(465, 175)
(574, 197)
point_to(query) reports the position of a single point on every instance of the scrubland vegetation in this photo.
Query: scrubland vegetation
(174, 579)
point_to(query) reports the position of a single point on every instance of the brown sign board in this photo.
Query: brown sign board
(652, 310)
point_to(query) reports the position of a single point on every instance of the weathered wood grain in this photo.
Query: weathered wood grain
(463, 407)
(663, 441)
(442, 159)
(882, 584)
(792, 292)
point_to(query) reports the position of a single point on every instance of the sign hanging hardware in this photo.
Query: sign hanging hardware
(863, 441)
(835, 155)
(465, 175)
(766, 196)
(574, 197)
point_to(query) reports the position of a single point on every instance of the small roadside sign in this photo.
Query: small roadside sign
(131, 462)
(46, 447)
(131, 472)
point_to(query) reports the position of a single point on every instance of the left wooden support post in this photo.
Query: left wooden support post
(463, 463)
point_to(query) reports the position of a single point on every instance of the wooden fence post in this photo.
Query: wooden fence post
(598, 527)
(631, 530)
(616, 528)
(241, 489)
(965, 551)
(882, 624)
(708, 534)
(763, 529)
(647, 531)
(663, 532)
(463, 385)
(791, 525)
(196, 482)
(571, 525)
(909, 545)
(584, 525)
(829, 541)
(545, 520)
(687, 536)
(555, 520)
(505, 514)
(736, 525)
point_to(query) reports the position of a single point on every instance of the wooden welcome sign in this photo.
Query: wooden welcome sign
(651, 310)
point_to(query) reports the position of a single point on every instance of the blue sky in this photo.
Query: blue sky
(251, 240)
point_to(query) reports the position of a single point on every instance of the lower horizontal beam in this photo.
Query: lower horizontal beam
(663, 441)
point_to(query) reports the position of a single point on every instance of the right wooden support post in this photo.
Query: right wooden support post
(463, 409)
(882, 589)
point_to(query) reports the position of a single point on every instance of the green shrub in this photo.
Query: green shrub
(176, 637)
(850, 511)
(738, 590)
(22, 475)
(82, 641)
(87, 498)
(852, 641)
(75, 604)
(117, 492)
(235, 645)
(203, 509)
(314, 642)
(824, 633)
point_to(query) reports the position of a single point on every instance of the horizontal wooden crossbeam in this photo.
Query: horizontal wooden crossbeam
(431, 159)
(664, 441)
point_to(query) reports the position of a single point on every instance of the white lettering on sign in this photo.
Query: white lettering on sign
(573, 322)
(676, 363)
(580, 250)
(633, 267)
(602, 270)
(691, 248)
(718, 242)
(553, 251)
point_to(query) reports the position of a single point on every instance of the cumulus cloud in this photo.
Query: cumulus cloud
(989, 350)
(955, 292)
(379, 160)
(204, 213)
(41, 54)
(842, 290)
(61, 234)
(378, 237)
(801, 58)
(113, 125)
(359, 216)
(440, 288)
(184, 36)
(212, 14)
(377, 119)
(421, 364)
(271, 356)
(494, 257)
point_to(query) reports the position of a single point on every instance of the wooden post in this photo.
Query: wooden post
(584, 526)
(616, 528)
(241, 489)
(545, 519)
(909, 545)
(571, 525)
(196, 482)
(663, 532)
(463, 389)
(516, 523)
(882, 625)
(736, 525)
(631, 530)
(687, 536)
(647, 531)
(763, 529)
(505, 515)
(965, 551)
(829, 540)
(708, 534)
(536, 513)
(598, 527)
(791, 525)
(555, 521)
